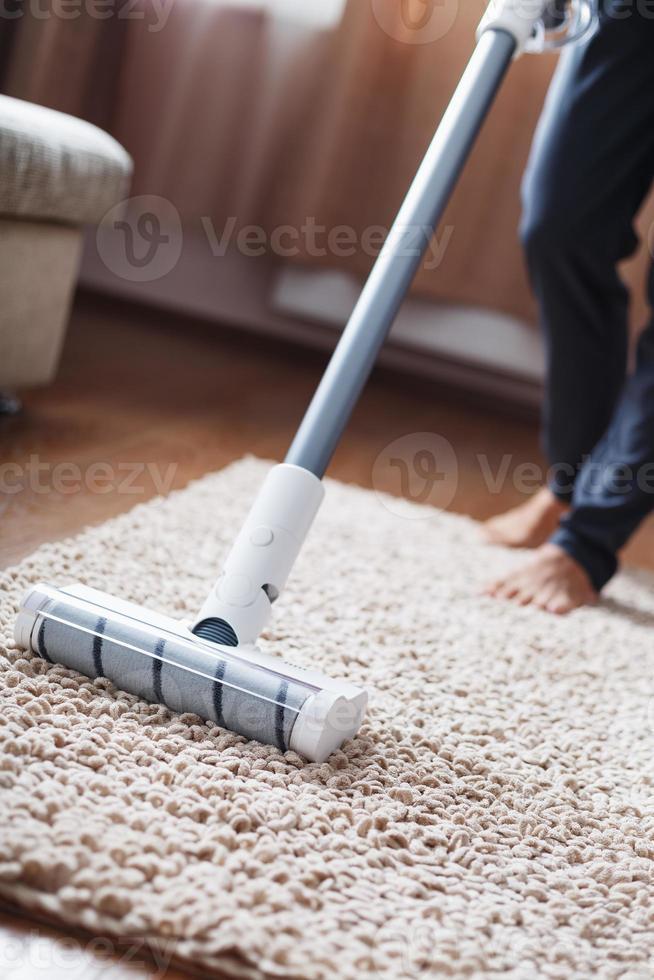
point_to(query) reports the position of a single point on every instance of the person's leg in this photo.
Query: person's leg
(612, 495)
(590, 167)
(615, 489)
(529, 524)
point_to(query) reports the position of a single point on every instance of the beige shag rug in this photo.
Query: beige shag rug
(494, 818)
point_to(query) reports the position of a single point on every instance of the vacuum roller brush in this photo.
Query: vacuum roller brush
(158, 659)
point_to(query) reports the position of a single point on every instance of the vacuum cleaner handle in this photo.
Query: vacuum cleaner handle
(504, 32)
(238, 608)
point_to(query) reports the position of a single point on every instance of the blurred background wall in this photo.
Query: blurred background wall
(273, 111)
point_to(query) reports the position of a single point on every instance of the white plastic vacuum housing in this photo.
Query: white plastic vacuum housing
(257, 567)
(516, 17)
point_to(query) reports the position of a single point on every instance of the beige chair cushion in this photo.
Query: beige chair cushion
(57, 168)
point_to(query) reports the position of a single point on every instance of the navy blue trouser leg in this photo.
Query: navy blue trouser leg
(615, 488)
(591, 166)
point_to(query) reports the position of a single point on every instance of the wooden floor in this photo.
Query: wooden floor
(147, 401)
(154, 401)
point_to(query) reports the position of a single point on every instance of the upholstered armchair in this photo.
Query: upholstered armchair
(57, 175)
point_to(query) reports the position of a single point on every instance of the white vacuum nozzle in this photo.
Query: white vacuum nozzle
(158, 659)
(256, 569)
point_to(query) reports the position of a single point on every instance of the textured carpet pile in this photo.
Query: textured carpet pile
(495, 816)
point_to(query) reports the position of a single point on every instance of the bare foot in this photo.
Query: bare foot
(529, 525)
(551, 580)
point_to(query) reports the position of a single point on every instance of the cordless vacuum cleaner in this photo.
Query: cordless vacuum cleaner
(212, 666)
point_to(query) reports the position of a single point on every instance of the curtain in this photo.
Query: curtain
(386, 96)
(66, 63)
(232, 111)
(215, 107)
(242, 110)
(375, 116)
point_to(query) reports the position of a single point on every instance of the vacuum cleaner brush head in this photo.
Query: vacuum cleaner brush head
(158, 659)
